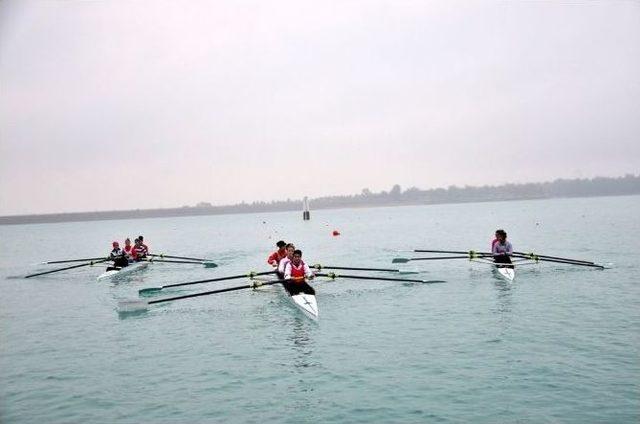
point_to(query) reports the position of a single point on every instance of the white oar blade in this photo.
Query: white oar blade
(126, 306)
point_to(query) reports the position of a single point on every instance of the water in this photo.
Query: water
(560, 344)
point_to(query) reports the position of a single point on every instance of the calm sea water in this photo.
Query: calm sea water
(560, 344)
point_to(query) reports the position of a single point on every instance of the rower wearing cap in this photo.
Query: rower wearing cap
(502, 249)
(118, 256)
(289, 249)
(275, 258)
(296, 272)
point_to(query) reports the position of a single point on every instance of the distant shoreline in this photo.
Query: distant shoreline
(596, 187)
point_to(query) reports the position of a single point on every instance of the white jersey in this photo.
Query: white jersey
(502, 249)
(283, 262)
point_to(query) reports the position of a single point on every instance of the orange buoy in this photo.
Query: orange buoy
(336, 233)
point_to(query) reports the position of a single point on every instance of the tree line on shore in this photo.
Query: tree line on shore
(599, 186)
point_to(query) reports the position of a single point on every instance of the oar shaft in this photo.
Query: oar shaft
(436, 258)
(169, 261)
(534, 255)
(65, 268)
(213, 280)
(319, 267)
(228, 289)
(453, 252)
(180, 257)
(73, 260)
(363, 277)
(593, 265)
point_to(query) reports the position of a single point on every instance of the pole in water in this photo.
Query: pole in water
(306, 215)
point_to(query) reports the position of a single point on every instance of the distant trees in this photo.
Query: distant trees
(599, 186)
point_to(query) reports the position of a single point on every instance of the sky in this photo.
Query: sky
(109, 105)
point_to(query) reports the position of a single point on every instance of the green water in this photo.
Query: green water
(559, 344)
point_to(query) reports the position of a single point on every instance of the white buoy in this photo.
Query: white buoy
(306, 215)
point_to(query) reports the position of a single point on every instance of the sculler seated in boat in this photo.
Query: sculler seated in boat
(127, 248)
(289, 249)
(146, 248)
(138, 251)
(275, 258)
(118, 256)
(501, 248)
(297, 272)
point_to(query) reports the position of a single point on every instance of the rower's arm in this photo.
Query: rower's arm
(307, 272)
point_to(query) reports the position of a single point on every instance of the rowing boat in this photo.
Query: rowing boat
(306, 303)
(120, 272)
(501, 271)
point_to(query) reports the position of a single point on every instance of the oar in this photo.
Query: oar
(150, 290)
(141, 305)
(535, 255)
(320, 267)
(66, 268)
(436, 258)
(333, 276)
(73, 260)
(453, 252)
(593, 265)
(162, 255)
(169, 261)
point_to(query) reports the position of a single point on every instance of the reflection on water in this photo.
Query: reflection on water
(504, 304)
(303, 342)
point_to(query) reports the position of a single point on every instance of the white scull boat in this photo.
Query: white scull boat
(119, 272)
(307, 303)
(505, 272)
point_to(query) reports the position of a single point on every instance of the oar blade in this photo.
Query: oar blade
(149, 291)
(210, 264)
(400, 260)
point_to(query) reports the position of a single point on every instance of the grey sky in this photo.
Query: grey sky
(139, 104)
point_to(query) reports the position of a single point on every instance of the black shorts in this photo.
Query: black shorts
(502, 259)
(294, 288)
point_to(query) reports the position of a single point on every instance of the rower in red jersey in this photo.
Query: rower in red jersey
(146, 248)
(275, 258)
(127, 247)
(296, 272)
(138, 251)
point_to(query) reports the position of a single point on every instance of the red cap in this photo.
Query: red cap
(115, 243)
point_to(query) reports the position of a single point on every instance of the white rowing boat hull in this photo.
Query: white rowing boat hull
(506, 273)
(117, 273)
(306, 303)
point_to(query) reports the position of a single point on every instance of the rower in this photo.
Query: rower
(289, 249)
(502, 249)
(118, 256)
(275, 258)
(138, 251)
(296, 272)
(127, 248)
(146, 248)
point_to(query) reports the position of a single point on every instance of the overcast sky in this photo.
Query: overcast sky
(140, 104)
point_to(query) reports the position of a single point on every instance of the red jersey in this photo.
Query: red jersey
(276, 257)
